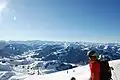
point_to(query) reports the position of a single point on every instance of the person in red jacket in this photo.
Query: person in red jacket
(94, 66)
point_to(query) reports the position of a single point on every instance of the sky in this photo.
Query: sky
(60, 20)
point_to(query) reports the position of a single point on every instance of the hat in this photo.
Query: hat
(91, 53)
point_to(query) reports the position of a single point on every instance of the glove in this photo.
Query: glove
(90, 78)
(111, 79)
(111, 68)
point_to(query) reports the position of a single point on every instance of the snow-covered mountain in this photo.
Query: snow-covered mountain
(24, 58)
(62, 51)
(80, 73)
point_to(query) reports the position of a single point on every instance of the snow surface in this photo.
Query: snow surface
(80, 73)
(5, 67)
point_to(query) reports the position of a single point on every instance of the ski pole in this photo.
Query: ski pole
(115, 75)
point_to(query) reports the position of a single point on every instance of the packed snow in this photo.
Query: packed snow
(80, 73)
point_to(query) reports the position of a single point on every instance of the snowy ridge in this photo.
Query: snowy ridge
(80, 73)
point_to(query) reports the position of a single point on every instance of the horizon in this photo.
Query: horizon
(61, 41)
(60, 20)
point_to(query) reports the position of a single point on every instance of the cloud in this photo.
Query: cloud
(3, 5)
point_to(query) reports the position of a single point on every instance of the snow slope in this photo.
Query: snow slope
(80, 73)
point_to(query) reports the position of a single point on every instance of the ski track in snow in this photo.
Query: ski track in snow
(81, 73)
(116, 71)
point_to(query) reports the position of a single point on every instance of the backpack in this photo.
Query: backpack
(105, 71)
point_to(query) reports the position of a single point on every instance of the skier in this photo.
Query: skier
(105, 68)
(73, 70)
(94, 65)
(67, 72)
(73, 78)
(38, 72)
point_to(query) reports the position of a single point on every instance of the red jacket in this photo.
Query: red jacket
(95, 70)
